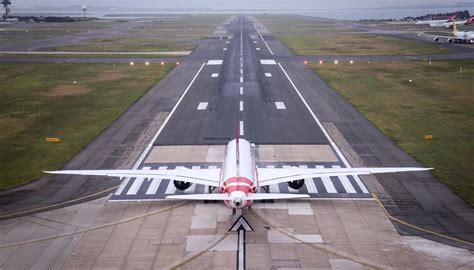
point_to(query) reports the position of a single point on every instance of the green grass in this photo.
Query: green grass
(41, 100)
(310, 36)
(144, 55)
(181, 34)
(35, 31)
(439, 102)
(356, 44)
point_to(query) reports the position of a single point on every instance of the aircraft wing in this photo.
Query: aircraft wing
(209, 177)
(267, 176)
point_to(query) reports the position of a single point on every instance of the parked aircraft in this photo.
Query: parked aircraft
(239, 180)
(450, 24)
(450, 19)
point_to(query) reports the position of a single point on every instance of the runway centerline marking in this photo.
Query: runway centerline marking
(202, 106)
(241, 128)
(241, 104)
(268, 74)
(225, 49)
(214, 75)
(326, 134)
(241, 90)
(258, 49)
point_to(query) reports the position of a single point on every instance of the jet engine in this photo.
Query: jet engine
(436, 39)
(181, 185)
(450, 40)
(297, 184)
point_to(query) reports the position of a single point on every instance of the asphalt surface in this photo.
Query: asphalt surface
(263, 122)
(416, 198)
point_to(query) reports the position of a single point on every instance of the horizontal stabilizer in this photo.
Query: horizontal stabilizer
(201, 197)
(275, 196)
(225, 197)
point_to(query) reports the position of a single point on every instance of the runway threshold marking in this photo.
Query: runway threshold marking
(326, 134)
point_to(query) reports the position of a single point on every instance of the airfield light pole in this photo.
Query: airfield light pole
(5, 4)
(84, 9)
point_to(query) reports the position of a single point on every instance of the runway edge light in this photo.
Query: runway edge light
(428, 137)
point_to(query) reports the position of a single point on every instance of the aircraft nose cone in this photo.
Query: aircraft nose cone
(238, 199)
(238, 202)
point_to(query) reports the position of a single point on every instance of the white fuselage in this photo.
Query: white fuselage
(464, 36)
(238, 175)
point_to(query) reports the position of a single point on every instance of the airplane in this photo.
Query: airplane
(239, 180)
(450, 19)
(458, 36)
(448, 24)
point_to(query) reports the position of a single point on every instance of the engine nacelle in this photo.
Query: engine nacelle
(297, 184)
(436, 39)
(450, 40)
(181, 185)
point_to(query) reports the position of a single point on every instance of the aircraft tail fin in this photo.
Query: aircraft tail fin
(455, 28)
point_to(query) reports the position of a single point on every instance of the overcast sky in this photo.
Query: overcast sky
(244, 4)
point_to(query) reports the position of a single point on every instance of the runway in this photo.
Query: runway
(290, 114)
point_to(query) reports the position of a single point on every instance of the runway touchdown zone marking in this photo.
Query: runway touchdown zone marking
(202, 106)
(214, 62)
(280, 105)
(267, 62)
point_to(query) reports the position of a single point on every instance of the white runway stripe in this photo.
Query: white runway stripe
(360, 184)
(122, 186)
(137, 183)
(345, 182)
(155, 183)
(309, 182)
(241, 126)
(327, 182)
(202, 106)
